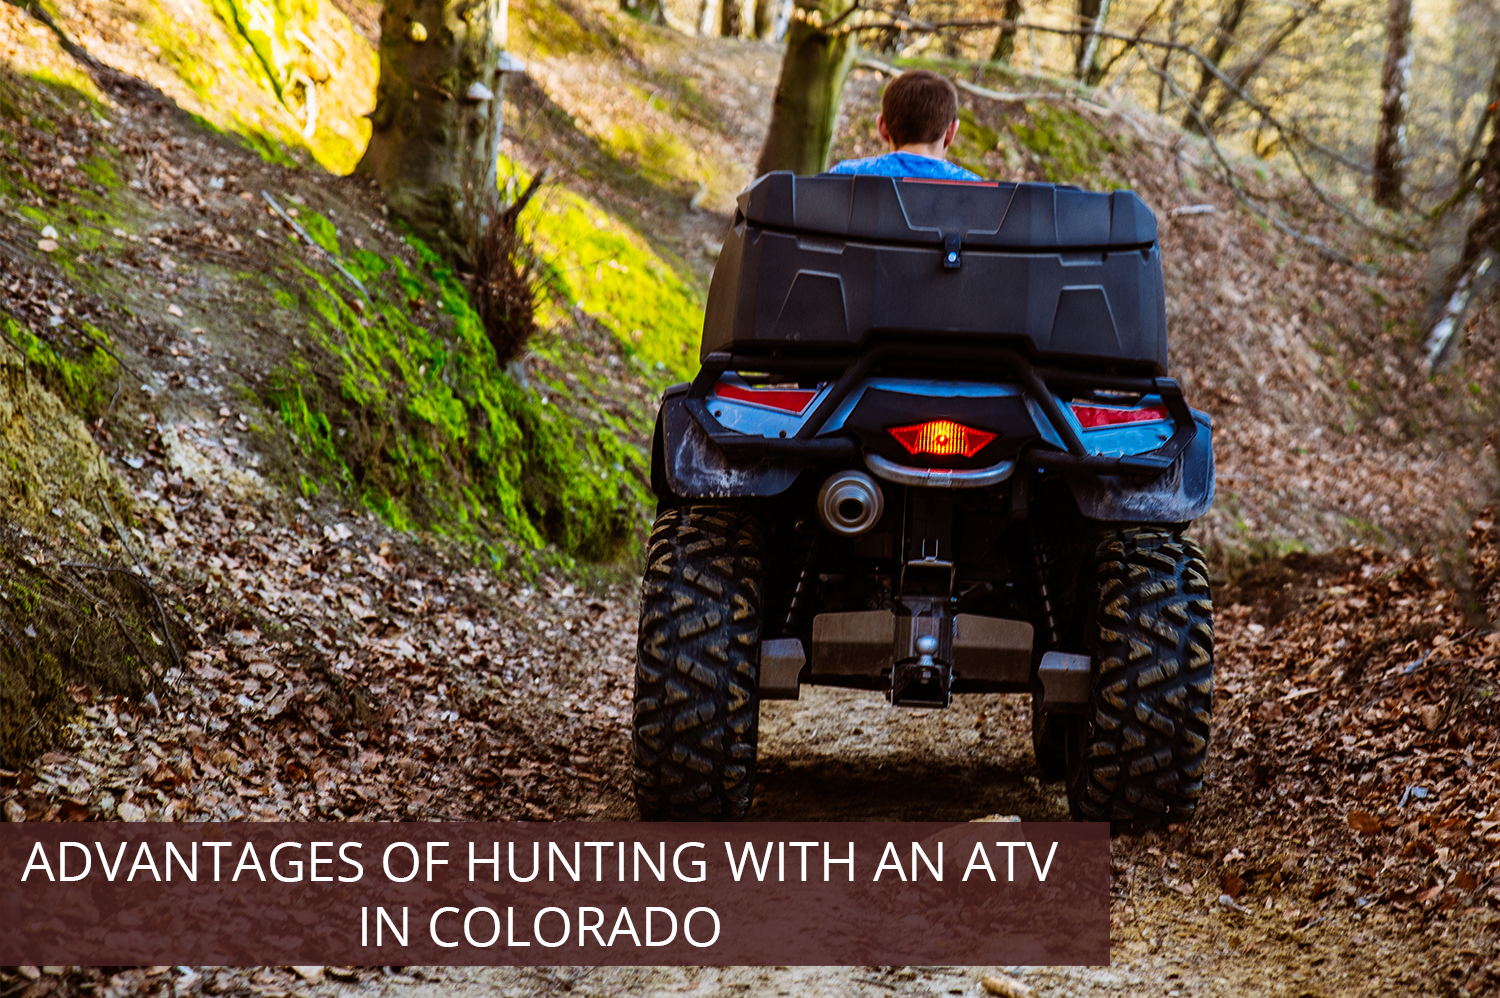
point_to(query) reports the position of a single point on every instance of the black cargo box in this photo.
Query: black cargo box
(818, 264)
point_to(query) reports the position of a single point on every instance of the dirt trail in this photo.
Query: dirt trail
(839, 756)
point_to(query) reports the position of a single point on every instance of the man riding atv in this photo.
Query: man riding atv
(918, 119)
(932, 450)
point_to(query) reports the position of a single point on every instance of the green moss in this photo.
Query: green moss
(596, 263)
(1067, 146)
(322, 231)
(418, 422)
(84, 376)
(553, 30)
(972, 142)
(660, 157)
(101, 171)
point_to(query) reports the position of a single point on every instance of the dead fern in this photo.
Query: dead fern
(505, 281)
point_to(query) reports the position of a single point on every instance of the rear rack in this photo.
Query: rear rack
(807, 446)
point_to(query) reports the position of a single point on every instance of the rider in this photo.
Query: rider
(918, 120)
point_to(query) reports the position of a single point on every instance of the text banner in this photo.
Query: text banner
(524, 894)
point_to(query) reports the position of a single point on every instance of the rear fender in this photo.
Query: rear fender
(1184, 492)
(685, 464)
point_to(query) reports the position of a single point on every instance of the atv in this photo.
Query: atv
(932, 450)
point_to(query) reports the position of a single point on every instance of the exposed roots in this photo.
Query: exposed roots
(66, 626)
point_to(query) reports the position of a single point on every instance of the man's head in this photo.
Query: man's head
(919, 108)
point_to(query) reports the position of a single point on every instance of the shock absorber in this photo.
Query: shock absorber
(1043, 559)
(805, 581)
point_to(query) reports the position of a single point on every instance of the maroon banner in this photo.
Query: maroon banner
(522, 894)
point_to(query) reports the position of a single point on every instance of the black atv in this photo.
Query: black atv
(932, 450)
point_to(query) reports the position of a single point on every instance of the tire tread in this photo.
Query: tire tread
(696, 690)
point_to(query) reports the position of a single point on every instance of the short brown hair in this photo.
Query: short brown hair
(918, 106)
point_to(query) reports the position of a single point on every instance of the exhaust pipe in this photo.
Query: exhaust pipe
(850, 503)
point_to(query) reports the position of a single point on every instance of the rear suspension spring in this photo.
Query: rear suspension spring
(1043, 558)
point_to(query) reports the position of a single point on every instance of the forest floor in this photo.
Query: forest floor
(336, 668)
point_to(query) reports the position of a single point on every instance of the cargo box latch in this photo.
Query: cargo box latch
(953, 251)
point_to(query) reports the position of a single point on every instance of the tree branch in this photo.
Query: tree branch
(1232, 179)
(906, 22)
(1245, 73)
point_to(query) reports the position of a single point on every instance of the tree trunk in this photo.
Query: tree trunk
(1481, 245)
(1088, 20)
(808, 92)
(1166, 56)
(1390, 144)
(765, 18)
(1224, 40)
(650, 11)
(436, 125)
(1005, 45)
(730, 19)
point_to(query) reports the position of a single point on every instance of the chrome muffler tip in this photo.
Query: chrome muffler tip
(850, 503)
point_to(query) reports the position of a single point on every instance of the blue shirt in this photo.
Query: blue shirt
(904, 164)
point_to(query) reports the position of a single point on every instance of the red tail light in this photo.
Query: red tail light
(793, 400)
(1093, 416)
(941, 437)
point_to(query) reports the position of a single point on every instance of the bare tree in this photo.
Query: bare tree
(1091, 17)
(1164, 71)
(731, 20)
(765, 18)
(1241, 75)
(1481, 242)
(1224, 38)
(1005, 43)
(1390, 145)
(650, 11)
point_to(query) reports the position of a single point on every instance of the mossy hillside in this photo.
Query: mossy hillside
(292, 79)
(599, 265)
(1065, 145)
(84, 377)
(257, 68)
(418, 422)
(656, 129)
(973, 142)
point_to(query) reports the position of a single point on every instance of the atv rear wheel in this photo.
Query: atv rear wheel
(697, 668)
(1137, 759)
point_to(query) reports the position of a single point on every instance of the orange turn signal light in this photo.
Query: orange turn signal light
(941, 437)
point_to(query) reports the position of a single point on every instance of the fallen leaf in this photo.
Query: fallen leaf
(1232, 884)
(1431, 715)
(1364, 822)
(47, 245)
